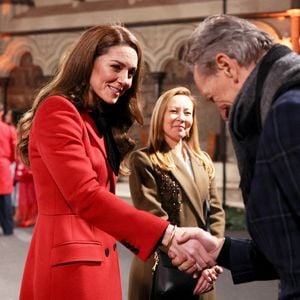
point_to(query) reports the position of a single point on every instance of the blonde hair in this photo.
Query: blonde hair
(159, 151)
(72, 82)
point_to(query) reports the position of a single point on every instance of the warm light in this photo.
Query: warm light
(6, 9)
(281, 18)
(294, 12)
(286, 41)
(294, 8)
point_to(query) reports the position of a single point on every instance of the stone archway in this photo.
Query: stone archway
(24, 82)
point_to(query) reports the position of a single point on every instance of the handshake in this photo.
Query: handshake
(194, 251)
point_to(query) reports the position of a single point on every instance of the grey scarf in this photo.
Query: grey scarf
(278, 71)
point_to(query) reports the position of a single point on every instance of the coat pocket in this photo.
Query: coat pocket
(73, 252)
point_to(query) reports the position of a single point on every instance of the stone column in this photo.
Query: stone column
(3, 91)
(294, 13)
(158, 79)
(295, 30)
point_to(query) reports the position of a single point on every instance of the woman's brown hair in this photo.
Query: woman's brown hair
(72, 82)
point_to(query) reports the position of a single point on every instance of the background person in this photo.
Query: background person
(7, 157)
(26, 212)
(11, 118)
(256, 85)
(173, 178)
(23, 196)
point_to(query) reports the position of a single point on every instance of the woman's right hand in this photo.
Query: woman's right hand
(207, 279)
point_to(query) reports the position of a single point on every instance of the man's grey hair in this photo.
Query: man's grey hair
(235, 37)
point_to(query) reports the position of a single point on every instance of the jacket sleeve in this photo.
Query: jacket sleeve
(245, 261)
(143, 186)
(217, 214)
(58, 134)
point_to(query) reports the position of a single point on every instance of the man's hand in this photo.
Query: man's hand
(192, 249)
(209, 242)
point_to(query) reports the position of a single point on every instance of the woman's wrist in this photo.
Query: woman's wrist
(169, 235)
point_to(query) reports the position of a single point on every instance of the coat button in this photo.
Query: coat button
(115, 247)
(106, 252)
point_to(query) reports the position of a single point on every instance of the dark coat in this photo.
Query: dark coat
(273, 209)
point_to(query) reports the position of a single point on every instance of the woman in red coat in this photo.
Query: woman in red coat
(75, 137)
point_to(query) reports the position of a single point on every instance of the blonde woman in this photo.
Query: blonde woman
(173, 178)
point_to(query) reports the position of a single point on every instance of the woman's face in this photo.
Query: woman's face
(178, 119)
(113, 73)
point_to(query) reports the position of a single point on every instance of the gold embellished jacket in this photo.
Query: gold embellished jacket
(175, 195)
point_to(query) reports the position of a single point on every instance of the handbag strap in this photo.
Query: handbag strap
(156, 261)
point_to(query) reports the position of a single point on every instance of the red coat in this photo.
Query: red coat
(73, 251)
(7, 156)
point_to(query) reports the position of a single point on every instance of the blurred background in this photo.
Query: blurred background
(35, 34)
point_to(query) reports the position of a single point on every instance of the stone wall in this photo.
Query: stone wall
(34, 38)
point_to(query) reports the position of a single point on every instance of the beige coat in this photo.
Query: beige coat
(150, 193)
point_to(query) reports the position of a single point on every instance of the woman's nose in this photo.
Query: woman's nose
(181, 116)
(125, 79)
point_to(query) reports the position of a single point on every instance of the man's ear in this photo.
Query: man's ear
(227, 65)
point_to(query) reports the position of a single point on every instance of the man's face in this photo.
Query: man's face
(218, 88)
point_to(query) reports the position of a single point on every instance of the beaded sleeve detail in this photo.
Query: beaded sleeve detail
(170, 194)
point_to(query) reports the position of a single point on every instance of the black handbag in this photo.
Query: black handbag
(168, 282)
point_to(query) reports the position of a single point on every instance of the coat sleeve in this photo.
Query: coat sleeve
(58, 130)
(143, 186)
(246, 262)
(217, 214)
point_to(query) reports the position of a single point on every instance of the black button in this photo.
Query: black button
(135, 250)
(115, 247)
(106, 252)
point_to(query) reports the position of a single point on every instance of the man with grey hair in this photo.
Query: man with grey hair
(255, 83)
